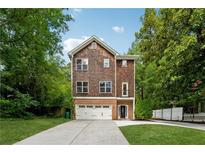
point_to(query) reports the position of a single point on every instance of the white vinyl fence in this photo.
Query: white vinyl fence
(198, 117)
(168, 114)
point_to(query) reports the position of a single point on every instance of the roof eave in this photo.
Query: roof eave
(86, 42)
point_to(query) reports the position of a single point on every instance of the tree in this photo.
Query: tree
(171, 46)
(30, 44)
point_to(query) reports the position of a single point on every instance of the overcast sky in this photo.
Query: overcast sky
(116, 27)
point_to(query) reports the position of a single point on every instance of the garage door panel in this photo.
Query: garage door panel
(94, 112)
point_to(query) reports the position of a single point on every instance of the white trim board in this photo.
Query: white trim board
(118, 98)
(115, 76)
(71, 75)
(134, 91)
(125, 98)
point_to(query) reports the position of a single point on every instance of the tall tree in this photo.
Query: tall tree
(171, 44)
(30, 44)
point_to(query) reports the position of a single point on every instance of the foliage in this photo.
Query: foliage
(170, 47)
(31, 52)
(143, 109)
(162, 135)
(17, 106)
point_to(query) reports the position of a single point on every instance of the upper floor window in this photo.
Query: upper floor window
(125, 89)
(124, 63)
(105, 86)
(81, 64)
(93, 45)
(106, 63)
(82, 87)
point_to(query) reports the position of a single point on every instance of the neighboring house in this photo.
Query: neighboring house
(103, 82)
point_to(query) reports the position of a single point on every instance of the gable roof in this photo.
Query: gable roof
(88, 41)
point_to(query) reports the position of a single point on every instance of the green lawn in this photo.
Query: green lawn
(162, 135)
(13, 130)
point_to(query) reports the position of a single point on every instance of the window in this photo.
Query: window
(81, 106)
(124, 89)
(82, 87)
(89, 106)
(105, 86)
(98, 106)
(106, 63)
(124, 63)
(81, 64)
(94, 45)
(106, 106)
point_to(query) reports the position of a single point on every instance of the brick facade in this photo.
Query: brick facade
(96, 72)
(125, 74)
(129, 103)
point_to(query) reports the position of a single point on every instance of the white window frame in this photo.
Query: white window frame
(93, 46)
(125, 83)
(124, 64)
(76, 65)
(106, 61)
(82, 87)
(105, 87)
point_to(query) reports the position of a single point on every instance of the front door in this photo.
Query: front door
(123, 111)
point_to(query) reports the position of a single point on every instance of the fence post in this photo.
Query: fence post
(171, 114)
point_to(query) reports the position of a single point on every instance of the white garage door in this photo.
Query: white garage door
(93, 111)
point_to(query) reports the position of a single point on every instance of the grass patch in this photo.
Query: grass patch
(13, 130)
(162, 135)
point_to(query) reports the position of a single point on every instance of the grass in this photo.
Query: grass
(13, 130)
(162, 135)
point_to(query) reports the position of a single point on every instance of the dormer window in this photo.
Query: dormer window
(124, 63)
(94, 45)
(81, 64)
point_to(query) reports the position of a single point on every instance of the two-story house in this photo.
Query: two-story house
(103, 82)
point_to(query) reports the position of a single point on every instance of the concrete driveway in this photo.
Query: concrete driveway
(120, 123)
(84, 132)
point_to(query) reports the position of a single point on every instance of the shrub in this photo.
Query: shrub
(143, 109)
(17, 106)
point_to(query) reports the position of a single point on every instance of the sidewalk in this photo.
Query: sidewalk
(186, 124)
(160, 122)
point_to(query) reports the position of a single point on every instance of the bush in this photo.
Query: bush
(143, 109)
(17, 106)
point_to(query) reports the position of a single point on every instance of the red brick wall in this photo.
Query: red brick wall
(96, 72)
(130, 107)
(125, 74)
